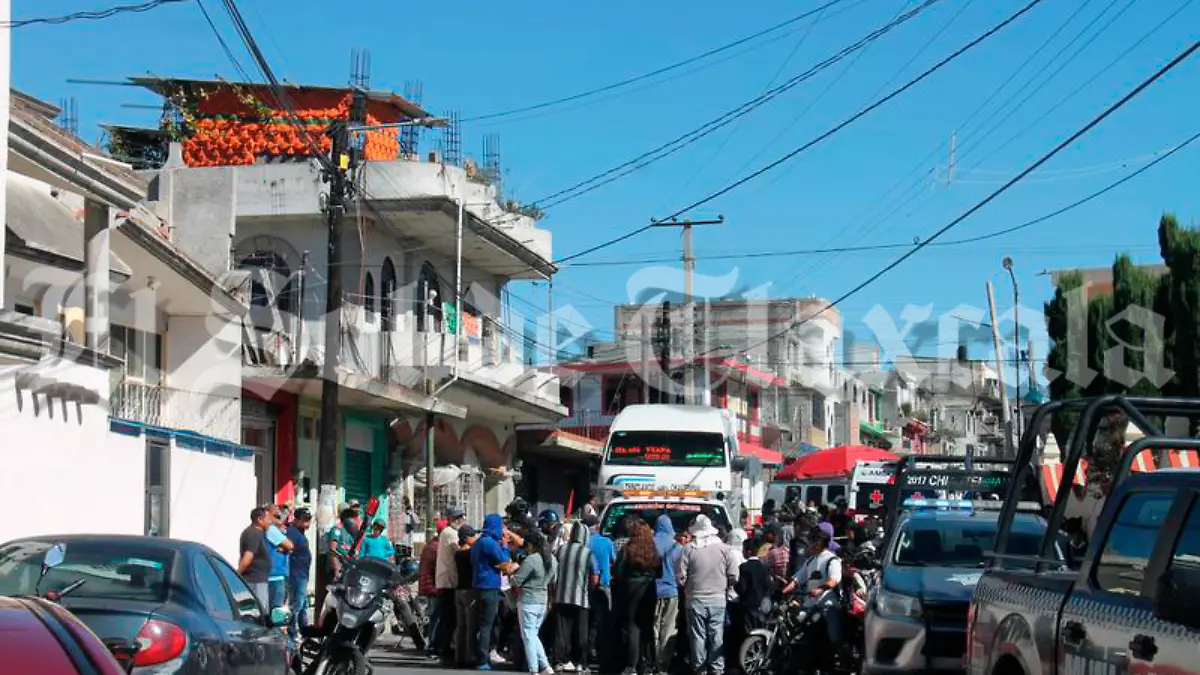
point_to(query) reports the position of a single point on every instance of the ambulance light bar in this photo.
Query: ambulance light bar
(967, 505)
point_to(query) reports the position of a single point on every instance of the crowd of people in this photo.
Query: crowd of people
(553, 595)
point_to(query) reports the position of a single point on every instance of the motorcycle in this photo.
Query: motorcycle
(406, 608)
(794, 632)
(351, 618)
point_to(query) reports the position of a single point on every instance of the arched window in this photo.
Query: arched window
(369, 297)
(429, 300)
(273, 282)
(387, 293)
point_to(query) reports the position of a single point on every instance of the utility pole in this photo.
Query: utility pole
(645, 354)
(664, 351)
(689, 302)
(343, 159)
(1005, 416)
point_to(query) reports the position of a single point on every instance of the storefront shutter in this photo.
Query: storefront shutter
(358, 475)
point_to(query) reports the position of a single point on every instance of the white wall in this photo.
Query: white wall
(211, 499)
(63, 466)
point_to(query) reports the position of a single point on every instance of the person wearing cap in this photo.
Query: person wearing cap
(707, 571)
(446, 580)
(376, 545)
(298, 570)
(427, 587)
(821, 573)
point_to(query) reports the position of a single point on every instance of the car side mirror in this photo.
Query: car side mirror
(280, 617)
(1176, 594)
(55, 555)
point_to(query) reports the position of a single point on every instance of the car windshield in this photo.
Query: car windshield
(666, 448)
(682, 515)
(110, 570)
(944, 543)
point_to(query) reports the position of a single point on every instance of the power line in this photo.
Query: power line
(656, 71)
(221, 40)
(680, 142)
(862, 113)
(845, 123)
(94, 15)
(1180, 58)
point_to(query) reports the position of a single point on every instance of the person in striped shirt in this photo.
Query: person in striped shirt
(578, 572)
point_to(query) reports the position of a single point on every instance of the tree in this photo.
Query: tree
(1059, 325)
(1180, 248)
(1133, 287)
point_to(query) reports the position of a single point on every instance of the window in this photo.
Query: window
(387, 291)
(158, 485)
(835, 493)
(212, 591)
(814, 494)
(369, 297)
(142, 352)
(1130, 543)
(818, 411)
(429, 300)
(681, 514)
(943, 543)
(1187, 548)
(244, 601)
(113, 570)
(27, 310)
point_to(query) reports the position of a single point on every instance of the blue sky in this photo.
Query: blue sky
(488, 57)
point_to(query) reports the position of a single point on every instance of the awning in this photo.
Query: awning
(765, 455)
(800, 450)
(873, 429)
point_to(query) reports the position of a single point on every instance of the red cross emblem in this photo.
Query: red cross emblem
(876, 498)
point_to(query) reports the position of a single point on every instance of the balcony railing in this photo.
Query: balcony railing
(209, 414)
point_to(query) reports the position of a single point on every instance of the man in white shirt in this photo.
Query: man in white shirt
(446, 580)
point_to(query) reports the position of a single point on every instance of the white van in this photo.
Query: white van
(865, 489)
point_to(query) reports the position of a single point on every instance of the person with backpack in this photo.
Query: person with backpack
(821, 573)
(666, 609)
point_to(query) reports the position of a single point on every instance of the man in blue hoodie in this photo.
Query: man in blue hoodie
(489, 559)
(666, 612)
(603, 556)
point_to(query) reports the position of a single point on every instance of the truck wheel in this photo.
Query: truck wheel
(1008, 665)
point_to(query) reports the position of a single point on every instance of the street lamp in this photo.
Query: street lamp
(1008, 265)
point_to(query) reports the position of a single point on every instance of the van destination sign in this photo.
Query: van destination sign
(956, 481)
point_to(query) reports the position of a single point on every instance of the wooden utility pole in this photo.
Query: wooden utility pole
(689, 302)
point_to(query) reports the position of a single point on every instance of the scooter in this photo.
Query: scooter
(351, 618)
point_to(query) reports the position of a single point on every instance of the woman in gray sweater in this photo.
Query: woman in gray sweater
(533, 580)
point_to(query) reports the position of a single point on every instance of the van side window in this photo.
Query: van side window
(835, 492)
(1130, 543)
(813, 494)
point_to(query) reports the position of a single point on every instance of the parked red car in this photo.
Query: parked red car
(37, 636)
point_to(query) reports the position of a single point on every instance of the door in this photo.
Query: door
(1094, 626)
(1162, 646)
(261, 437)
(212, 644)
(265, 648)
(358, 476)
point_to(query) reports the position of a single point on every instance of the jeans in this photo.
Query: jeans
(467, 609)
(531, 616)
(432, 639)
(637, 615)
(706, 624)
(572, 634)
(489, 607)
(298, 600)
(599, 620)
(277, 592)
(666, 614)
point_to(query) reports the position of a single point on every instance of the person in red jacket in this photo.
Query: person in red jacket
(427, 587)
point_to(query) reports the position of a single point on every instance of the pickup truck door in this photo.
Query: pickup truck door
(1159, 646)
(1110, 598)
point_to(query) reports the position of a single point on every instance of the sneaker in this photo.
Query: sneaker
(567, 667)
(484, 667)
(546, 671)
(498, 660)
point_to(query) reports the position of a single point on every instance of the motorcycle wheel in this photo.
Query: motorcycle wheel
(753, 655)
(351, 662)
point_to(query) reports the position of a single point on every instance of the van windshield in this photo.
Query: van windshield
(666, 448)
(681, 514)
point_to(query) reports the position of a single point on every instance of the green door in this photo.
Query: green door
(358, 476)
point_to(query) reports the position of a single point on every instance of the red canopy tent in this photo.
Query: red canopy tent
(832, 462)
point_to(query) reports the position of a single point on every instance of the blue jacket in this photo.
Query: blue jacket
(378, 547)
(667, 586)
(603, 555)
(489, 552)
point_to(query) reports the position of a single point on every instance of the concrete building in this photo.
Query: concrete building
(121, 354)
(252, 208)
